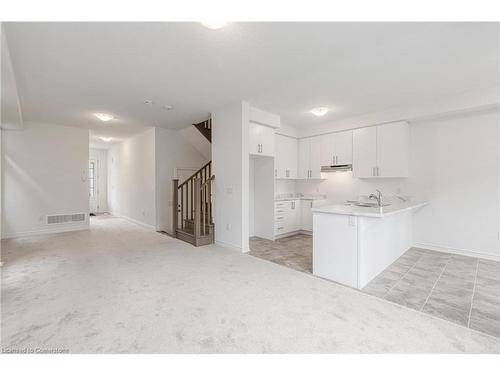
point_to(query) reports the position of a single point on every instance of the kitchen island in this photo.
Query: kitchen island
(352, 244)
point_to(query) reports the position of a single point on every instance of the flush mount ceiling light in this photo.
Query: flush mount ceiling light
(106, 139)
(167, 107)
(214, 25)
(104, 117)
(319, 111)
(149, 103)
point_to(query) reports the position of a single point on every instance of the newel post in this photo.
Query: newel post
(175, 206)
(197, 209)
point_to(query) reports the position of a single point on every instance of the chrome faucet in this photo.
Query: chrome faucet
(377, 197)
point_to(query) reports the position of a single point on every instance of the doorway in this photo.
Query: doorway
(97, 181)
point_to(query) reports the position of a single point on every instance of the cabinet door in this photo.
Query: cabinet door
(280, 156)
(303, 156)
(253, 139)
(306, 222)
(364, 152)
(328, 149)
(266, 138)
(392, 150)
(293, 223)
(315, 157)
(292, 157)
(343, 148)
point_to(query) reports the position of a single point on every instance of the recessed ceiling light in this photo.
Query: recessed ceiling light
(106, 139)
(168, 107)
(104, 117)
(319, 111)
(214, 25)
(149, 102)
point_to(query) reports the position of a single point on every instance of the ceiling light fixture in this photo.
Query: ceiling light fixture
(168, 107)
(319, 111)
(104, 117)
(214, 25)
(106, 139)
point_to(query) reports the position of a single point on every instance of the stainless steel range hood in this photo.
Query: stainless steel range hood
(336, 168)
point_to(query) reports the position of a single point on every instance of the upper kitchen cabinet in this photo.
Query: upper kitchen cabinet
(336, 148)
(261, 132)
(310, 157)
(286, 157)
(381, 151)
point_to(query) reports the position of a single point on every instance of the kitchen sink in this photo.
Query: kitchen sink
(369, 204)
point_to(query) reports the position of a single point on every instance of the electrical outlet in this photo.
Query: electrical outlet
(229, 190)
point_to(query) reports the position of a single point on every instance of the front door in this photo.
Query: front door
(94, 186)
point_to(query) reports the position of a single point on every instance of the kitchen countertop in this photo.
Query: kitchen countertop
(350, 209)
(304, 198)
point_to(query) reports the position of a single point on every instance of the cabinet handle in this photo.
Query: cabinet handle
(261, 148)
(333, 159)
(275, 173)
(378, 172)
(311, 204)
(336, 159)
(373, 171)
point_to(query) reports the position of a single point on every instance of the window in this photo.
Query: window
(91, 178)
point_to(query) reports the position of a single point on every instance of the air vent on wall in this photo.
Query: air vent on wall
(61, 219)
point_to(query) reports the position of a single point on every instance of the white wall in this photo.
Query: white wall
(172, 152)
(230, 163)
(131, 179)
(102, 156)
(455, 166)
(45, 171)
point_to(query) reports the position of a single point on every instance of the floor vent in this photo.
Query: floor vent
(61, 219)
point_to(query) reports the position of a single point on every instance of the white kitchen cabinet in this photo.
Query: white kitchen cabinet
(292, 221)
(336, 148)
(306, 215)
(381, 151)
(286, 157)
(364, 152)
(261, 140)
(309, 156)
(393, 143)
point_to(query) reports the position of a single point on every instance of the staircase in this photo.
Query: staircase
(192, 208)
(205, 128)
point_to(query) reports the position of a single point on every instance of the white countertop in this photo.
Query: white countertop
(345, 209)
(304, 198)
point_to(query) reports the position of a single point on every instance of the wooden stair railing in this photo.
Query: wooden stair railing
(192, 207)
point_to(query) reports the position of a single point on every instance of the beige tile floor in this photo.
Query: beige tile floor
(460, 289)
(294, 252)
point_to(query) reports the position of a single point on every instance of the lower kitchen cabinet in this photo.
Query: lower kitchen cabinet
(306, 215)
(293, 215)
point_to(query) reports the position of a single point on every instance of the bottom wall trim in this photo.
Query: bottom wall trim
(452, 250)
(231, 247)
(137, 222)
(59, 229)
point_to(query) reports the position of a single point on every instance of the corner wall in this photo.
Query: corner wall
(131, 179)
(45, 169)
(230, 163)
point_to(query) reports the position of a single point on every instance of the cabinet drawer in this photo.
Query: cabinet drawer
(280, 204)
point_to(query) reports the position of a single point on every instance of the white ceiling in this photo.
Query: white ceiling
(68, 71)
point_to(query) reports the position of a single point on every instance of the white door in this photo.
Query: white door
(315, 157)
(364, 152)
(327, 149)
(392, 150)
(280, 160)
(94, 186)
(303, 156)
(343, 148)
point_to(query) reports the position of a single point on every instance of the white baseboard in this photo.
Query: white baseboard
(55, 229)
(452, 250)
(231, 247)
(137, 222)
